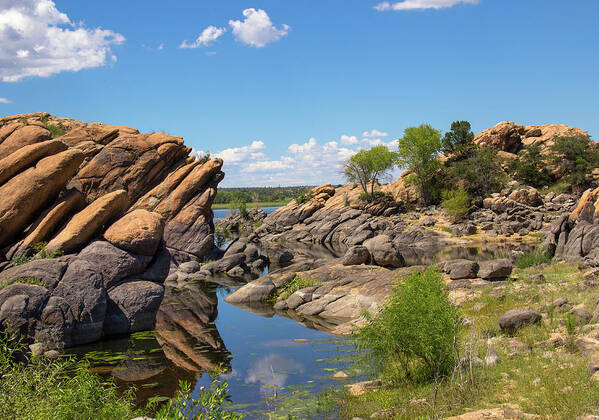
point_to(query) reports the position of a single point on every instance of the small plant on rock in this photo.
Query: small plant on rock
(56, 130)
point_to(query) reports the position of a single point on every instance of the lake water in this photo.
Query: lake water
(222, 213)
(275, 366)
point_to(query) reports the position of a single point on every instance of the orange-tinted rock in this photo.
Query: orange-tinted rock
(505, 136)
(27, 194)
(27, 156)
(188, 188)
(21, 137)
(139, 232)
(587, 207)
(86, 224)
(51, 219)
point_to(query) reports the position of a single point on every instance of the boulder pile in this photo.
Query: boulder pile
(91, 218)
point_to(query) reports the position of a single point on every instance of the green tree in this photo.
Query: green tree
(531, 167)
(368, 166)
(480, 173)
(458, 141)
(418, 151)
(577, 158)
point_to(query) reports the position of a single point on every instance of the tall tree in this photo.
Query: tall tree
(418, 151)
(368, 166)
(458, 141)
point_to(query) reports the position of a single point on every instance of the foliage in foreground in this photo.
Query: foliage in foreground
(415, 333)
(38, 388)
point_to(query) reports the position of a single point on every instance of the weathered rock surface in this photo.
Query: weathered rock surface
(141, 193)
(514, 319)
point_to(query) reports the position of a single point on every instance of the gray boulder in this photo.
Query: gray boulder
(515, 319)
(113, 263)
(47, 271)
(384, 252)
(356, 255)
(495, 269)
(132, 306)
(460, 269)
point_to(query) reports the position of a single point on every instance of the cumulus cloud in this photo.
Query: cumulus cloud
(374, 133)
(36, 39)
(345, 139)
(309, 163)
(244, 153)
(257, 29)
(421, 4)
(207, 37)
(5, 101)
(271, 372)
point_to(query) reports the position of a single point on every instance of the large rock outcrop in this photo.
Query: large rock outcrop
(119, 204)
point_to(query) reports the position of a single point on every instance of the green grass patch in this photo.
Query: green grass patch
(41, 251)
(22, 280)
(533, 257)
(292, 286)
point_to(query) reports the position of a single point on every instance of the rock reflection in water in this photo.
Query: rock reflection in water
(186, 332)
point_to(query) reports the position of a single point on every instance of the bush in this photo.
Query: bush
(480, 173)
(304, 197)
(56, 130)
(41, 251)
(290, 287)
(531, 168)
(534, 257)
(456, 203)
(239, 206)
(414, 334)
(577, 159)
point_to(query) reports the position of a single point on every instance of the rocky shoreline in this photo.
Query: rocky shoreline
(90, 223)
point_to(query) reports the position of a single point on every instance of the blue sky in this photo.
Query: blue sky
(285, 90)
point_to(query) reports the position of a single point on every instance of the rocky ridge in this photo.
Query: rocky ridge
(121, 206)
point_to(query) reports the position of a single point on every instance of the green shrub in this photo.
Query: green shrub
(23, 120)
(533, 257)
(304, 197)
(577, 157)
(239, 206)
(456, 203)
(292, 286)
(531, 167)
(414, 334)
(56, 130)
(480, 173)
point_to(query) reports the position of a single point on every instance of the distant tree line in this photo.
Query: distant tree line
(258, 194)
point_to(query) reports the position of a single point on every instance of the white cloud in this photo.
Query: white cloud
(241, 154)
(421, 4)
(36, 39)
(345, 139)
(5, 101)
(257, 29)
(207, 37)
(160, 47)
(374, 133)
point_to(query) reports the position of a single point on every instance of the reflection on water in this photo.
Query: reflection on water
(262, 355)
(197, 332)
